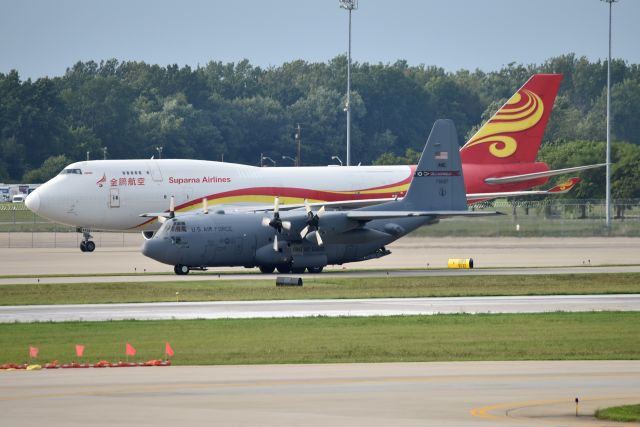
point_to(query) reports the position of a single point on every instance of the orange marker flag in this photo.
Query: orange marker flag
(130, 351)
(33, 352)
(79, 350)
(167, 349)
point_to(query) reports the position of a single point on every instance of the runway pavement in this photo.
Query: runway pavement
(330, 273)
(371, 395)
(407, 253)
(310, 308)
(397, 394)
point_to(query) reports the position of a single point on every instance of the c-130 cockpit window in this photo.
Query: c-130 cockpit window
(178, 227)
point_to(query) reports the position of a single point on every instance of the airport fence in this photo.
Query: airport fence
(544, 218)
(20, 227)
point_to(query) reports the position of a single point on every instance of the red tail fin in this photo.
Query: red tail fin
(514, 133)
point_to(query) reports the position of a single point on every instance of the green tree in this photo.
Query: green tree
(577, 153)
(239, 110)
(625, 106)
(411, 157)
(166, 127)
(563, 121)
(257, 127)
(396, 101)
(50, 168)
(454, 102)
(320, 114)
(625, 176)
(12, 159)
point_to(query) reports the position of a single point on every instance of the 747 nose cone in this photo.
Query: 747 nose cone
(33, 202)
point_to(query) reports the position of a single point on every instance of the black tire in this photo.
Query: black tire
(297, 270)
(181, 270)
(83, 247)
(315, 270)
(90, 246)
(284, 268)
(267, 269)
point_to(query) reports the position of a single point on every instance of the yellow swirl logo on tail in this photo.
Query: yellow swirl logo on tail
(523, 111)
(567, 184)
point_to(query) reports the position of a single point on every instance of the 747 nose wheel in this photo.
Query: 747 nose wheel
(88, 246)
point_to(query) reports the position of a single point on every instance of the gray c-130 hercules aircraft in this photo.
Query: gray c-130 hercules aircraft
(301, 239)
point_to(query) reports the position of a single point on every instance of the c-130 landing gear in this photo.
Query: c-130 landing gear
(87, 245)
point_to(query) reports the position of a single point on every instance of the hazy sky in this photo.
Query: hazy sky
(44, 37)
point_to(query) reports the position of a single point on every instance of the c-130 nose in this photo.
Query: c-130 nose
(155, 249)
(148, 248)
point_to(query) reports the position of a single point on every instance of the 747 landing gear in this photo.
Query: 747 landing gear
(87, 244)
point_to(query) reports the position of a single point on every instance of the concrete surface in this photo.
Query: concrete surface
(311, 308)
(410, 252)
(371, 395)
(330, 273)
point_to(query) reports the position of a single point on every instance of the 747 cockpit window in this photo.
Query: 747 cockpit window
(71, 171)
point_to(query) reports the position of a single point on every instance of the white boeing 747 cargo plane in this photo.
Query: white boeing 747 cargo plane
(498, 161)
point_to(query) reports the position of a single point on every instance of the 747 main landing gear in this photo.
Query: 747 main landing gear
(87, 244)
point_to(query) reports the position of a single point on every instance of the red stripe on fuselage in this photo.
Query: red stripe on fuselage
(303, 193)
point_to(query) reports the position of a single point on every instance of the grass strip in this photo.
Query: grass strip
(384, 287)
(627, 413)
(460, 337)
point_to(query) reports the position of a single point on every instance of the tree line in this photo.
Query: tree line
(235, 111)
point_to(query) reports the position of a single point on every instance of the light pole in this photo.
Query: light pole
(349, 5)
(295, 163)
(104, 153)
(159, 149)
(263, 158)
(336, 158)
(608, 181)
(299, 143)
